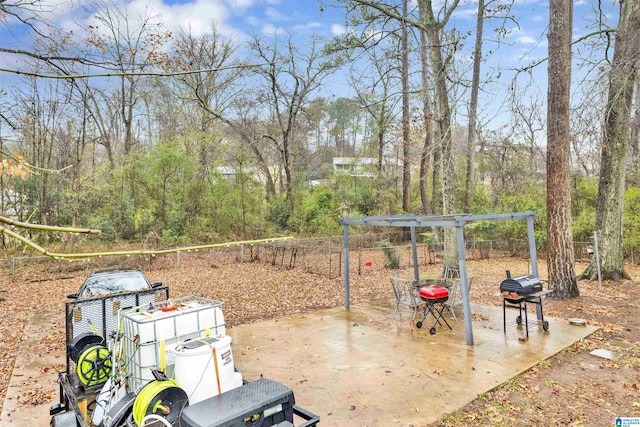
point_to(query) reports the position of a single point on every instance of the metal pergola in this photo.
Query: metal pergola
(458, 221)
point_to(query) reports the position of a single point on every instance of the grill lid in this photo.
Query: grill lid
(433, 292)
(521, 285)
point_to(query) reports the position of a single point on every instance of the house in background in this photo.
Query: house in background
(366, 166)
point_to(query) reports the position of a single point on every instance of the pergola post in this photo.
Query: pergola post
(414, 252)
(534, 258)
(464, 280)
(532, 246)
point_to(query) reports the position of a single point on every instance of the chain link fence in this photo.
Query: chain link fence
(321, 256)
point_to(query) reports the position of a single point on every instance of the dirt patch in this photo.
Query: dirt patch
(572, 388)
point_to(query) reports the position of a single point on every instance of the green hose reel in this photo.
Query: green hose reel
(94, 365)
(163, 398)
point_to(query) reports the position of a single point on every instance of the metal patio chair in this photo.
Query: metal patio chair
(455, 294)
(406, 294)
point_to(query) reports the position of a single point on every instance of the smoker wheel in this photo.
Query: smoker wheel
(545, 325)
(432, 331)
(419, 325)
(519, 320)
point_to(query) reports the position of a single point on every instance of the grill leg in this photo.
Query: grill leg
(437, 315)
(504, 315)
(440, 316)
(434, 312)
(526, 320)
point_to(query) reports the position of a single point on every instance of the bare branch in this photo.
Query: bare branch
(156, 74)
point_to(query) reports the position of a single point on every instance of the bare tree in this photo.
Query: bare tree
(375, 91)
(211, 88)
(427, 117)
(129, 47)
(473, 108)
(291, 77)
(433, 29)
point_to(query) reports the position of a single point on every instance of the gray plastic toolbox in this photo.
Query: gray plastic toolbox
(262, 403)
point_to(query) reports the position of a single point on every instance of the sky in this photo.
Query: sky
(524, 44)
(241, 18)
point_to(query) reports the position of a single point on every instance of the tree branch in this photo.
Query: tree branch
(391, 13)
(168, 74)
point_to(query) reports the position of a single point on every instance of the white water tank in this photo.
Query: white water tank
(151, 334)
(201, 375)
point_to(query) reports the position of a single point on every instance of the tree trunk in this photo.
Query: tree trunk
(634, 138)
(610, 200)
(128, 96)
(559, 233)
(443, 122)
(428, 126)
(406, 162)
(473, 109)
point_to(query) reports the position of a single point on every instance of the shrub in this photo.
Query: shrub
(393, 259)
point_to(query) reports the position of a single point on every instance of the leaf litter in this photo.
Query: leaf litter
(259, 291)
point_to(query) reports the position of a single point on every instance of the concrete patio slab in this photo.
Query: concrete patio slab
(357, 367)
(362, 367)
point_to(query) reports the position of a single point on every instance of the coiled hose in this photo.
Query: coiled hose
(148, 398)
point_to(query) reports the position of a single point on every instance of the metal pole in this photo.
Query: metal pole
(462, 263)
(534, 258)
(532, 246)
(416, 273)
(346, 266)
(595, 241)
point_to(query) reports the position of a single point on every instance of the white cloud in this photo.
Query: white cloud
(274, 14)
(467, 13)
(241, 4)
(301, 28)
(252, 21)
(271, 30)
(337, 29)
(196, 16)
(525, 40)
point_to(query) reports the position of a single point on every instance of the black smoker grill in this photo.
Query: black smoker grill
(522, 285)
(517, 292)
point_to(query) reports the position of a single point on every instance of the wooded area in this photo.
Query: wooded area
(147, 134)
